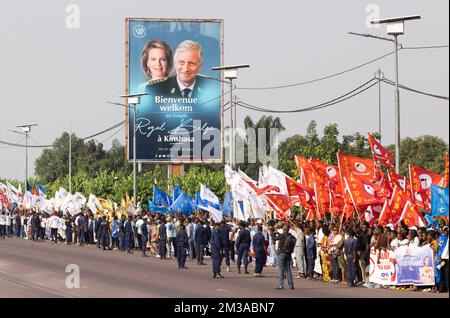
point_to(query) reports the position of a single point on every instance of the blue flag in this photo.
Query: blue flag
(228, 204)
(176, 193)
(153, 208)
(28, 187)
(183, 203)
(160, 197)
(41, 188)
(431, 222)
(439, 201)
(201, 204)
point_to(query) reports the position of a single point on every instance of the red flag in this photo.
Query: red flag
(421, 181)
(411, 215)
(385, 214)
(310, 215)
(349, 210)
(379, 153)
(3, 198)
(396, 180)
(446, 173)
(279, 202)
(262, 190)
(305, 172)
(325, 171)
(321, 194)
(364, 192)
(356, 166)
(398, 201)
(296, 189)
(330, 175)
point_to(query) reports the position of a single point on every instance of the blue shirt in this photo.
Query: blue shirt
(350, 245)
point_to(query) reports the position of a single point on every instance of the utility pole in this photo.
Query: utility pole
(380, 76)
(70, 159)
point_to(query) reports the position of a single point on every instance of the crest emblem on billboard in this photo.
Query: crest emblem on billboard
(139, 31)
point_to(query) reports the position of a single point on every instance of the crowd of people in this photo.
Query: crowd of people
(318, 250)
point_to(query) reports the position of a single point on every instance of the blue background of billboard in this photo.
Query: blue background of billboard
(208, 34)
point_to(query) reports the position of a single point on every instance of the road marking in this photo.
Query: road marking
(222, 290)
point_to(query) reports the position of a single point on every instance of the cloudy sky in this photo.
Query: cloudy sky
(58, 77)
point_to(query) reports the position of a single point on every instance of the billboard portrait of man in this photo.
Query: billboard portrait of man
(171, 61)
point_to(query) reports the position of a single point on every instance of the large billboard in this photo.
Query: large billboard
(171, 60)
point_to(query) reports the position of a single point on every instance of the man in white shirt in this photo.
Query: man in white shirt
(139, 223)
(54, 224)
(8, 224)
(2, 225)
(299, 251)
(319, 236)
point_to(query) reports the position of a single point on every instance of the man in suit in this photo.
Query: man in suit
(188, 60)
(144, 227)
(200, 242)
(225, 238)
(128, 234)
(216, 251)
(258, 247)
(162, 239)
(181, 246)
(242, 245)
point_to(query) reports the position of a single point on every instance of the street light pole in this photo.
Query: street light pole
(70, 159)
(395, 27)
(26, 129)
(231, 125)
(134, 154)
(230, 73)
(26, 159)
(133, 100)
(397, 110)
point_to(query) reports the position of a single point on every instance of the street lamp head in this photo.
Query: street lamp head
(134, 99)
(395, 26)
(26, 128)
(230, 71)
(396, 19)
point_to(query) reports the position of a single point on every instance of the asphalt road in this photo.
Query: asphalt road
(38, 269)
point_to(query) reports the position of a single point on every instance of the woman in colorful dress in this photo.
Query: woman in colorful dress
(326, 260)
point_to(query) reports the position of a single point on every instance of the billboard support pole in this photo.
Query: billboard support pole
(231, 126)
(134, 154)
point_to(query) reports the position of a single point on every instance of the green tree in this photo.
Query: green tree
(270, 127)
(426, 152)
(330, 143)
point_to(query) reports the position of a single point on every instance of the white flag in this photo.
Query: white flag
(207, 195)
(215, 214)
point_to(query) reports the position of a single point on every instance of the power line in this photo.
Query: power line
(12, 145)
(120, 128)
(345, 71)
(104, 131)
(388, 81)
(320, 78)
(354, 92)
(51, 146)
(29, 136)
(425, 47)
